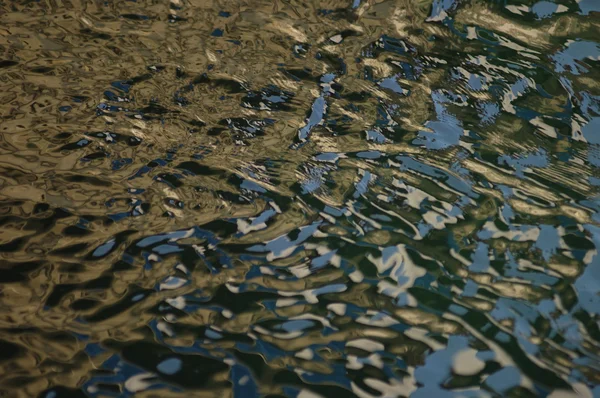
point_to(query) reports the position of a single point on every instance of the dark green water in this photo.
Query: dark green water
(341, 198)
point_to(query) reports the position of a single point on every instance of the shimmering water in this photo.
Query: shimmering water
(337, 198)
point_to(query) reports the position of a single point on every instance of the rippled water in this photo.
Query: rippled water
(293, 198)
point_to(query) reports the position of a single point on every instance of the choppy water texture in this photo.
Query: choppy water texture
(337, 198)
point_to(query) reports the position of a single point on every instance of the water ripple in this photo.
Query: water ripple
(362, 198)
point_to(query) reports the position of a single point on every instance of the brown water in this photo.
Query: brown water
(299, 198)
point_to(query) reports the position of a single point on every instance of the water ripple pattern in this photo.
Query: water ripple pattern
(300, 198)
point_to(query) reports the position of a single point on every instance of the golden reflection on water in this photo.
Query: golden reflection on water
(243, 198)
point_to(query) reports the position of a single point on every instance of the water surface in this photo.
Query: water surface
(337, 198)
